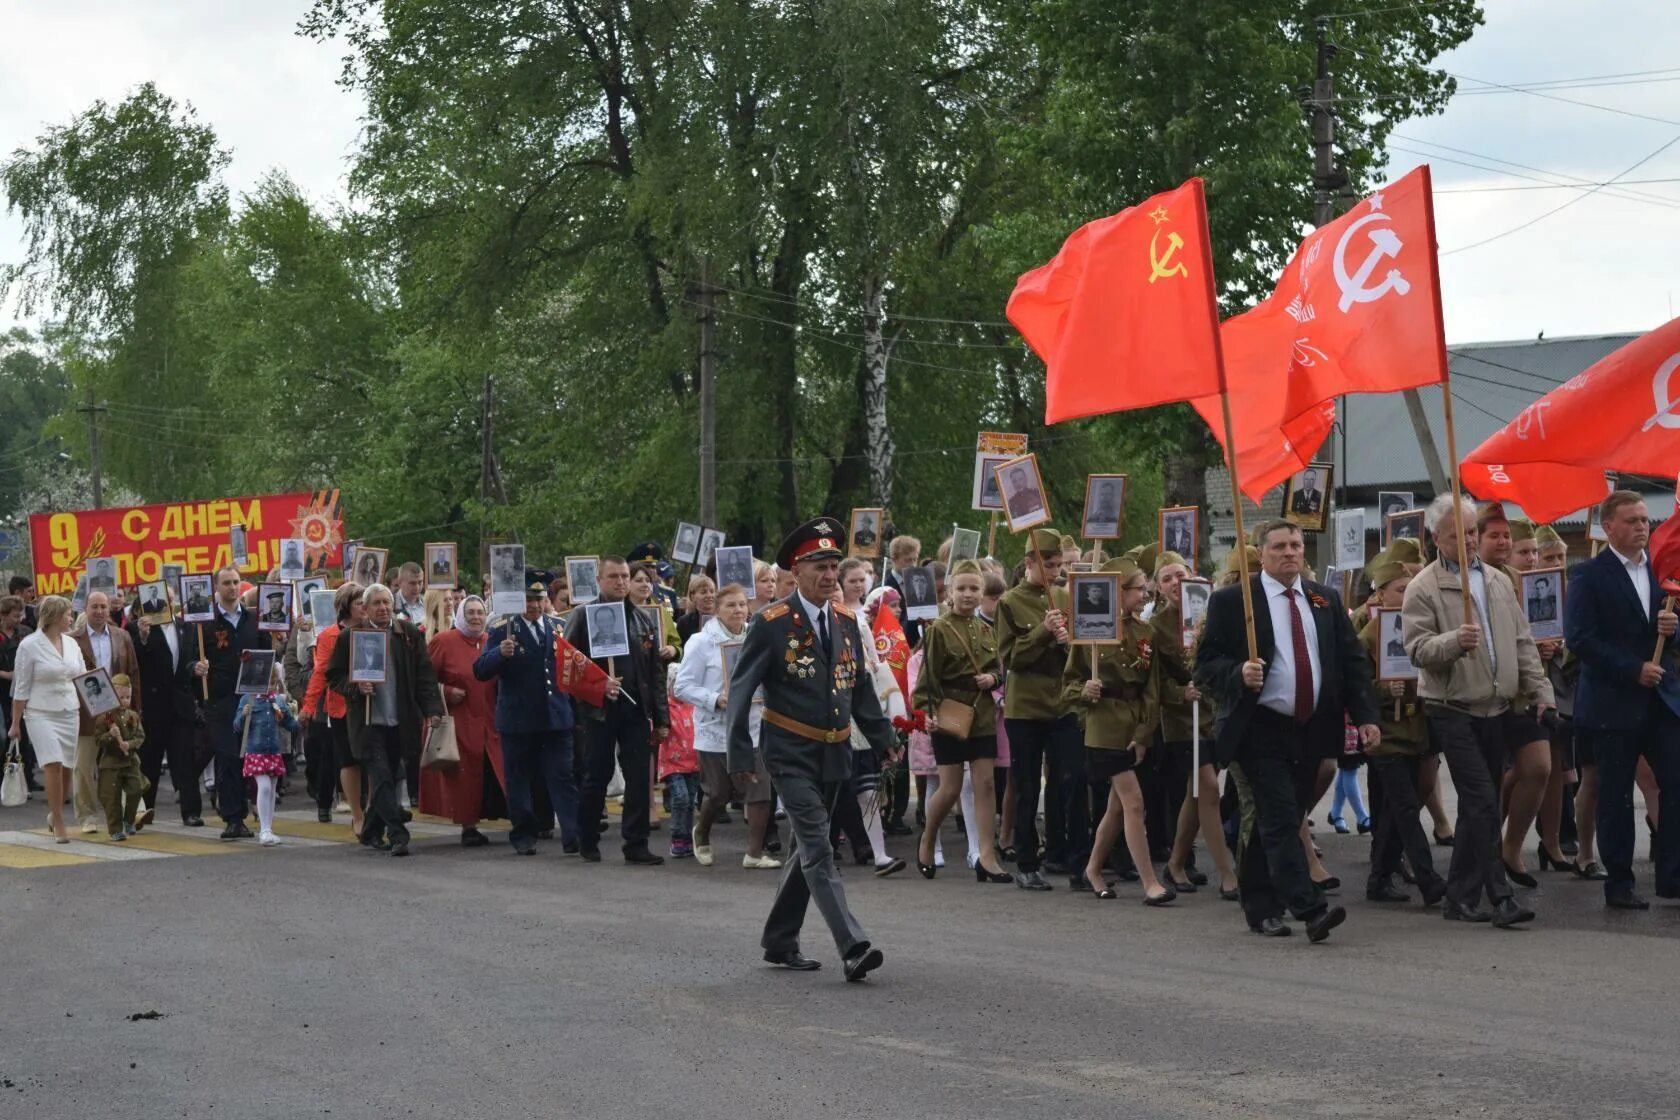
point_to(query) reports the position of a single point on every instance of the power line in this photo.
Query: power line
(1539, 186)
(1569, 100)
(1418, 5)
(1561, 175)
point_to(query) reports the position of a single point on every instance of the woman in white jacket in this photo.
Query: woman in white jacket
(703, 683)
(44, 696)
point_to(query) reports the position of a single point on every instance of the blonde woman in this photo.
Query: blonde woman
(440, 613)
(764, 585)
(43, 695)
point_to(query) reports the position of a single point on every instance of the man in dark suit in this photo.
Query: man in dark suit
(807, 653)
(1280, 712)
(635, 698)
(231, 631)
(1627, 698)
(534, 720)
(168, 716)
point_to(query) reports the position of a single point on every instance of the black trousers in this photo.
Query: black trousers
(321, 765)
(1164, 778)
(846, 818)
(1272, 873)
(172, 740)
(1067, 799)
(1657, 738)
(231, 803)
(1398, 827)
(382, 753)
(626, 734)
(1474, 749)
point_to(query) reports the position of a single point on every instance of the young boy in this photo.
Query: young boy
(118, 736)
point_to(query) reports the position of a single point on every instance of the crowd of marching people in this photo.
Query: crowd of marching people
(1069, 765)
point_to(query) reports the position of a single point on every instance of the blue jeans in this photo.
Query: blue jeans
(683, 792)
(544, 756)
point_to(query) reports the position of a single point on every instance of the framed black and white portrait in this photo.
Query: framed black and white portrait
(294, 562)
(370, 654)
(710, 541)
(609, 634)
(583, 576)
(1105, 503)
(323, 611)
(1407, 523)
(1193, 596)
(1542, 596)
(153, 602)
(687, 542)
(1095, 599)
(172, 574)
(274, 607)
(256, 672)
(370, 566)
(507, 579)
(102, 574)
(1022, 488)
(198, 598)
(1393, 501)
(921, 593)
(735, 565)
(443, 572)
(864, 539)
(303, 592)
(78, 597)
(239, 546)
(97, 693)
(1393, 662)
(1181, 532)
(1306, 499)
(965, 544)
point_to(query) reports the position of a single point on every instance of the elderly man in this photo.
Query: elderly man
(215, 663)
(107, 646)
(806, 652)
(384, 718)
(1628, 698)
(1483, 688)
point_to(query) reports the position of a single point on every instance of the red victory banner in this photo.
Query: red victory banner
(1124, 315)
(193, 534)
(579, 676)
(1621, 414)
(1357, 310)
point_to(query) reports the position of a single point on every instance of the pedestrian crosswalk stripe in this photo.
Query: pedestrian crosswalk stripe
(96, 849)
(21, 858)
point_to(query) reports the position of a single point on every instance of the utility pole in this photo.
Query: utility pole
(708, 398)
(93, 410)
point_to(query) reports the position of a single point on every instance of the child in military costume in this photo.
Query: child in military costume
(118, 736)
(1122, 709)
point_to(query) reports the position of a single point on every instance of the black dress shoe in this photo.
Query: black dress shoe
(570, 847)
(1385, 891)
(1319, 928)
(1570, 848)
(1272, 927)
(406, 815)
(1032, 881)
(643, 859)
(1590, 870)
(897, 828)
(793, 961)
(1052, 867)
(1328, 884)
(524, 848)
(473, 838)
(1441, 841)
(324, 816)
(1628, 901)
(1453, 912)
(193, 822)
(400, 848)
(1198, 878)
(234, 831)
(1520, 878)
(774, 847)
(1127, 874)
(1507, 913)
(591, 855)
(1433, 891)
(1079, 883)
(1167, 895)
(862, 962)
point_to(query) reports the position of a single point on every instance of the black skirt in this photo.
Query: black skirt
(951, 751)
(1102, 764)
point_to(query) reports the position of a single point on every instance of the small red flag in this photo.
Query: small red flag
(1664, 551)
(579, 676)
(1620, 414)
(1124, 315)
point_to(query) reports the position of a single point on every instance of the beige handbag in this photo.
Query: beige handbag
(441, 752)
(956, 718)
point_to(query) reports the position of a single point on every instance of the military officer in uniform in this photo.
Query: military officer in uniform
(807, 655)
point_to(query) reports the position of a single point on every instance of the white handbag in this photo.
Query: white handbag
(14, 789)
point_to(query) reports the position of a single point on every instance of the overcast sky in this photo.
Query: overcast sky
(1604, 264)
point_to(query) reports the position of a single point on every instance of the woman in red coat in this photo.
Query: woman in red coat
(459, 793)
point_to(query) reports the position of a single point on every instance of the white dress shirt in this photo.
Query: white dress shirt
(1278, 693)
(1639, 571)
(173, 638)
(814, 612)
(99, 641)
(1478, 595)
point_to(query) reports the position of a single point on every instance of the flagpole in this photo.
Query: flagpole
(1446, 395)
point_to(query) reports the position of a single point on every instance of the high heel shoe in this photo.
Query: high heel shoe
(928, 870)
(981, 875)
(1520, 878)
(1340, 826)
(1547, 863)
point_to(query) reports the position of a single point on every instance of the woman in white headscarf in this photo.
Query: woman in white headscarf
(460, 793)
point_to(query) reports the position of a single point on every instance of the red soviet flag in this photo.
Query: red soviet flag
(1664, 551)
(577, 675)
(1124, 315)
(1357, 310)
(1621, 414)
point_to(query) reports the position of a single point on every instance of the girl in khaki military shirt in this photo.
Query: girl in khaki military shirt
(1122, 709)
(959, 662)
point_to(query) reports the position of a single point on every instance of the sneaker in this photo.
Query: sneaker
(703, 854)
(144, 816)
(119, 836)
(90, 827)
(267, 839)
(682, 851)
(341, 806)
(760, 863)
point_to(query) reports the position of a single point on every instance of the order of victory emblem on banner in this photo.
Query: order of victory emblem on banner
(318, 525)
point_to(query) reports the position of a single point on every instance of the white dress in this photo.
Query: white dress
(43, 677)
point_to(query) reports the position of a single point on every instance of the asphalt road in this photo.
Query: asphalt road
(329, 981)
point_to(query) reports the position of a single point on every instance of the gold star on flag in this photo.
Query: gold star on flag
(1159, 214)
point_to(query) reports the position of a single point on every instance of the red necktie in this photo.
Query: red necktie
(1303, 662)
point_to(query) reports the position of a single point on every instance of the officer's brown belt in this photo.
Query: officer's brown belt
(805, 730)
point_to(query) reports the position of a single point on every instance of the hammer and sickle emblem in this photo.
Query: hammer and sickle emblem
(1161, 264)
(1665, 403)
(1384, 244)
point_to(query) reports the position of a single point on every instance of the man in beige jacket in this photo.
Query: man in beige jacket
(107, 646)
(1472, 671)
